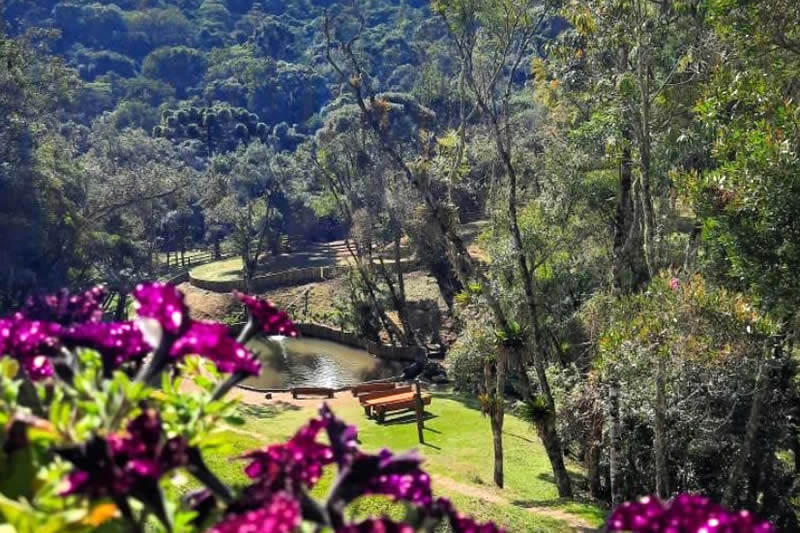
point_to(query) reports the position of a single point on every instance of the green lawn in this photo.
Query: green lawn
(225, 270)
(458, 453)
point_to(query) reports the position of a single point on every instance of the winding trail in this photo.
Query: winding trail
(451, 485)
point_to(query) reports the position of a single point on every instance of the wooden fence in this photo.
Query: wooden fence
(383, 351)
(298, 276)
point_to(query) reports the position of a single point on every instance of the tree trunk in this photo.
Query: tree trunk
(497, 443)
(662, 474)
(122, 300)
(623, 219)
(497, 412)
(692, 247)
(549, 435)
(645, 141)
(751, 434)
(615, 438)
(593, 470)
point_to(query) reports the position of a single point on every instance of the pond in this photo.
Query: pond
(308, 362)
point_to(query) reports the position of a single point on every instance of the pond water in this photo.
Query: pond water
(310, 362)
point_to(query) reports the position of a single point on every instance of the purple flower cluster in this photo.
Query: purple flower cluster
(292, 466)
(31, 342)
(267, 317)
(161, 305)
(280, 515)
(47, 323)
(214, 342)
(377, 525)
(120, 464)
(164, 304)
(35, 333)
(687, 513)
(65, 308)
(116, 342)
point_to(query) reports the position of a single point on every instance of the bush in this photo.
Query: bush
(466, 359)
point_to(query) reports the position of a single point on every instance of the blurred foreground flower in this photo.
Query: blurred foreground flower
(687, 513)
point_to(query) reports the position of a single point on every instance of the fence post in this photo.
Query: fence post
(420, 409)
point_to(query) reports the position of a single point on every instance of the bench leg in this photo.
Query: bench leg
(381, 417)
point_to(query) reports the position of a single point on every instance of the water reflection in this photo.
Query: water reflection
(316, 363)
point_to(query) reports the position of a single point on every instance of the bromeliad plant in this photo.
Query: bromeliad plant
(97, 430)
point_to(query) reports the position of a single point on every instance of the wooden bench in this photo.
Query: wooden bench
(380, 410)
(371, 387)
(312, 391)
(368, 397)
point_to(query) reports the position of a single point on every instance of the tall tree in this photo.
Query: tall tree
(494, 39)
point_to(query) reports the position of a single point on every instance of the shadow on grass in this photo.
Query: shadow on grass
(410, 418)
(564, 504)
(578, 480)
(264, 412)
(520, 437)
(529, 504)
(466, 401)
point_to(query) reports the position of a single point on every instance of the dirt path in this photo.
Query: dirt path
(451, 485)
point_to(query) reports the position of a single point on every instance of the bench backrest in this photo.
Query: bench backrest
(312, 390)
(371, 387)
(382, 394)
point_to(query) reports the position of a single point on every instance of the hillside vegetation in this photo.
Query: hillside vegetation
(601, 199)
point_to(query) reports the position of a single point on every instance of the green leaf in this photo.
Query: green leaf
(9, 367)
(234, 420)
(17, 473)
(14, 511)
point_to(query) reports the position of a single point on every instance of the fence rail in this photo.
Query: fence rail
(297, 276)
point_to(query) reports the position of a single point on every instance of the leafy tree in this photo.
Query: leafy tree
(247, 194)
(162, 27)
(180, 66)
(37, 191)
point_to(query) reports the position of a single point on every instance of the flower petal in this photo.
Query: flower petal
(213, 341)
(164, 303)
(268, 318)
(280, 515)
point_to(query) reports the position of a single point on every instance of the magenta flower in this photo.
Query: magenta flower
(343, 437)
(377, 525)
(128, 463)
(464, 524)
(687, 513)
(675, 284)
(65, 308)
(213, 341)
(117, 342)
(280, 515)
(31, 342)
(398, 476)
(267, 317)
(292, 466)
(38, 368)
(164, 304)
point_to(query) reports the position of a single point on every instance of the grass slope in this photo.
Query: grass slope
(458, 454)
